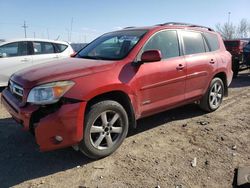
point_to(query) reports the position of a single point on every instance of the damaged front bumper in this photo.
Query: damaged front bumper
(54, 126)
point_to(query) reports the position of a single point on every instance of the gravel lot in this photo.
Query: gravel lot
(158, 153)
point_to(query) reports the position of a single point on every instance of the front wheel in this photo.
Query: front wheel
(106, 126)
(212, 99)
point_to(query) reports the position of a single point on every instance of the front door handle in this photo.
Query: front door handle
(180, 67)
(24, 60)
(212, 61)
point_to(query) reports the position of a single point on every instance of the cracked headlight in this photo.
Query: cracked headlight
(49, 93)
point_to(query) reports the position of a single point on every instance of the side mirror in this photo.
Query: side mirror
(73, 54)
(151, 56)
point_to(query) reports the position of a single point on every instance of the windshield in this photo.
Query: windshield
(112, 46)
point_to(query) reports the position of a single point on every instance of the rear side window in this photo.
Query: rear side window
(212, 41)
(166, 42)
(193, 42)
(43, 48)
(60, 47)
(14, 49)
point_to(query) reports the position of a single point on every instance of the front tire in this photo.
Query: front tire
(106, 126)
(212, 99)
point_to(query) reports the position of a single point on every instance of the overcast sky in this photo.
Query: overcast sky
(89, 19)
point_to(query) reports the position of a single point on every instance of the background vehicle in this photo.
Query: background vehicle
(235, 47)
(90, 101)
(17, 54)
(246, 53)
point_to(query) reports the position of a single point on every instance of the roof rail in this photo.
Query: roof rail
(129, 27)
(186, 24)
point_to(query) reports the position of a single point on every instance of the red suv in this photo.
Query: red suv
(91, 100)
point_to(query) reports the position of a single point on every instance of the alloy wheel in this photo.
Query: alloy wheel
(216, 94)
(106, 130)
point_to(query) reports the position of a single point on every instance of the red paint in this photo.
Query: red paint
(151, 87)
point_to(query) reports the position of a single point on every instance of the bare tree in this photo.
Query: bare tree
(243, 29)
(227, 30)
(231, 31)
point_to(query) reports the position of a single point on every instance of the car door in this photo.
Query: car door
(200, 63)
(43, 52)
(161, 84)
(13, 57)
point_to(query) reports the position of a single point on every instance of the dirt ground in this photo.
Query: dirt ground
(158, 154)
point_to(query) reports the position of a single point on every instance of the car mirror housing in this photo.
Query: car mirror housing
(151, 56)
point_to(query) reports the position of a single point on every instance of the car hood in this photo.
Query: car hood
(65, 69)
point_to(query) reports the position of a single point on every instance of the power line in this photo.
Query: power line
(25, 27)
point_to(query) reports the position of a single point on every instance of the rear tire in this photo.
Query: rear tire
(106, 126)
(212, 99)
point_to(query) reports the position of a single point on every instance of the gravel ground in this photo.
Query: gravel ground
(159, 153)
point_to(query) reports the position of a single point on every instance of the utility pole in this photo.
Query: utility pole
(25, 27)
(228, 19)
(48, 33)
(71, 25)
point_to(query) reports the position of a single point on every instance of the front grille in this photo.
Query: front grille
(16, 90)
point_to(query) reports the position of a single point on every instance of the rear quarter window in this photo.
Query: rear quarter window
(60, 47)
(212, 41)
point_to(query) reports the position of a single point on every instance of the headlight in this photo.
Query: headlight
(49, 93)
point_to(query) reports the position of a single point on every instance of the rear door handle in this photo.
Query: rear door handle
(180, 67)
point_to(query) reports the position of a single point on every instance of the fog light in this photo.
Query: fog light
(58, 138)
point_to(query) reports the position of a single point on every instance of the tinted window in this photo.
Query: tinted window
(14, 49)
(60, 47)
(193, 42)
(231, 43)
(212, 40)
(43, 48)
(112, 46)
(166, 42)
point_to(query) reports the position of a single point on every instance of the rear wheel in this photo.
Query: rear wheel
(106, 127)
(212, 100)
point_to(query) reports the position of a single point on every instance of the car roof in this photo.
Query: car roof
(4, 41)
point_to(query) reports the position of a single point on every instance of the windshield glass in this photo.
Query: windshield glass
(112, 46)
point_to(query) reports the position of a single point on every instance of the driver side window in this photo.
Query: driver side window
(166, 42)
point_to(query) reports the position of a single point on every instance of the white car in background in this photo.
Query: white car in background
(17, 54)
